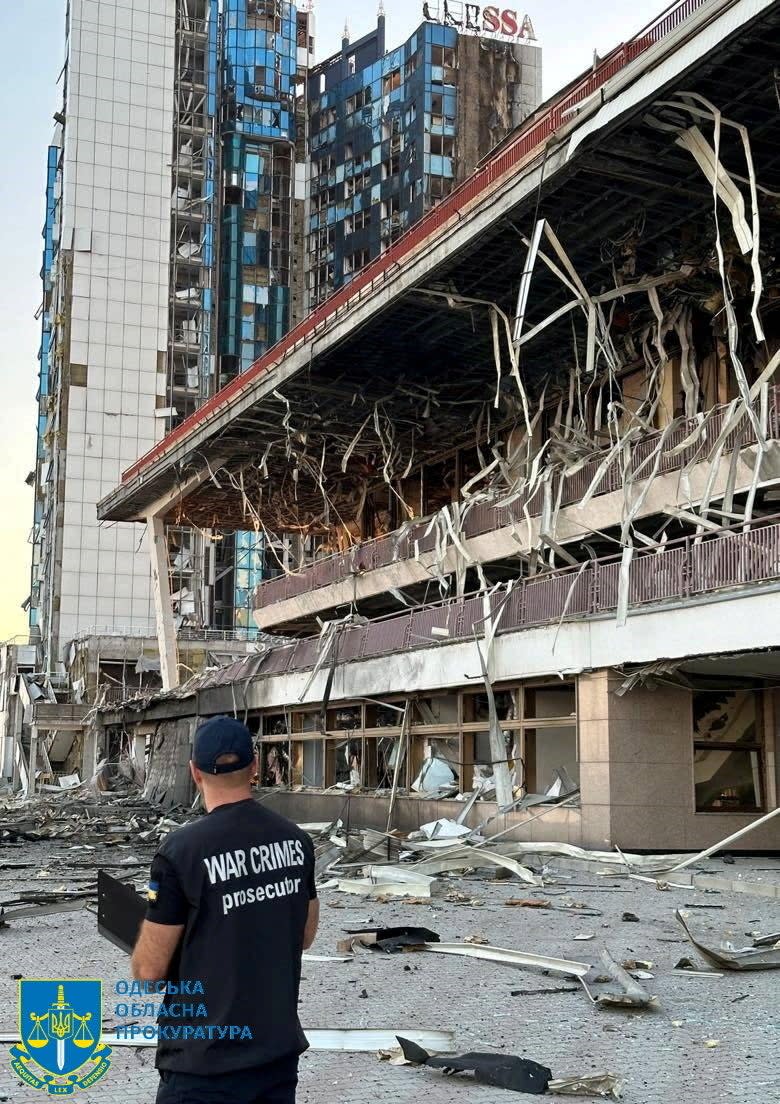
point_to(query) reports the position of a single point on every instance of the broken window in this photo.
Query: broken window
(385, 716)
(547, 750)
(313, 763)
(477, 708)
(391, 82)
(437, 109)
(344, 763)
(344, 719)
(380, 752)
(357, 260)
(439, 187)
(556, 700)
(548, 739)
(443, 55)
(275, 764)
(439, 710)
(381, 759)
(439, 771)
(442, 145)
(727, 751)
(358, 221)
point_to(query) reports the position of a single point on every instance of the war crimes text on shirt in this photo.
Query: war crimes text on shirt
(263, 857)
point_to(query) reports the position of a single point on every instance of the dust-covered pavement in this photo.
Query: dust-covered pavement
(663, 1054)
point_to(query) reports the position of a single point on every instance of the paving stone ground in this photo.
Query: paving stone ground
(661, 1054)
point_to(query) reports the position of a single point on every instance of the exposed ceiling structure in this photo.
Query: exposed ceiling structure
(422, 375)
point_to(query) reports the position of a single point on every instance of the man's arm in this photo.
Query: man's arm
(154, 950)
(312, 922)
(166, 914)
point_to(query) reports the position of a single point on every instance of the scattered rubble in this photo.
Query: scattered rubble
(96, 820)
(729, 957)
(374, 861)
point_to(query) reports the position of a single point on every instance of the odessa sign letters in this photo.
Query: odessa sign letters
(473, 19)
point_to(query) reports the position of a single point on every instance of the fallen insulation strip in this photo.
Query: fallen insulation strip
(629, 993)
(616, 989)
(326, 958)
(386, 940)
(708, 883)
(466, 858)
(419, 886)
(691, 860)
(507, 1071)
(507, 957)
(648, 863)
(42, 910)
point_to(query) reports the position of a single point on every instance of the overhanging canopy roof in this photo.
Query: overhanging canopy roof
(398, 373)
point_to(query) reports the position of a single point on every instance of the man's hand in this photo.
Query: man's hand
(312, 922)
(154, 950)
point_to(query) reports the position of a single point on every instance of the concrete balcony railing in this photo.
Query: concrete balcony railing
(186, 632)
(62, 716)
(481, 518)
(684, 569)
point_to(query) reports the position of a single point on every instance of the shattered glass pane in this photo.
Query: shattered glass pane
(728, 717)
(728, 779)
(548, 748)
(727, 752)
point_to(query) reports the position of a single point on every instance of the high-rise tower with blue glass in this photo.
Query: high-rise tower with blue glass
(206, 185)
(392, 133)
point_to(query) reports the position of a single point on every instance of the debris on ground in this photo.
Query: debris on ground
(614, 987)
(104, 820)
(502, 1071)
(118, 833)
(507, 1071)
(593, 1084)
(729, 957)
(389, 940)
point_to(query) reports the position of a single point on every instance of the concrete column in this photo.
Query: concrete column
(33, 761)
(138, 752)
(21, 775)
(594, 758)
(166, 632)
(651, 767)
(12, 723)
(637, 771)
(89, 751)
(772, 747)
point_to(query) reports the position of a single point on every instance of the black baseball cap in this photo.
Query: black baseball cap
(222, 736)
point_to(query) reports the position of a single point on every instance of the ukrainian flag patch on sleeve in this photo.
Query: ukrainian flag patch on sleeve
(152, 889)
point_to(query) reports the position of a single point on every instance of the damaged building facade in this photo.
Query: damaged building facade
(529, 462)
(392, 133)
(179, 182)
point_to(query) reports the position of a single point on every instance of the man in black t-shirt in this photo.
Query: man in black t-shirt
(231, 908)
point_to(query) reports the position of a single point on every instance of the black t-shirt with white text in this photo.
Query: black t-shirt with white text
(240, 879)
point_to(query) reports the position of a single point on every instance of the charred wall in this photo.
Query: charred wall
(500, 85)
(168, 780)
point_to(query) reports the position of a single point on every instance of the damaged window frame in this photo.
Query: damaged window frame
(459, 728)
(754, 748)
